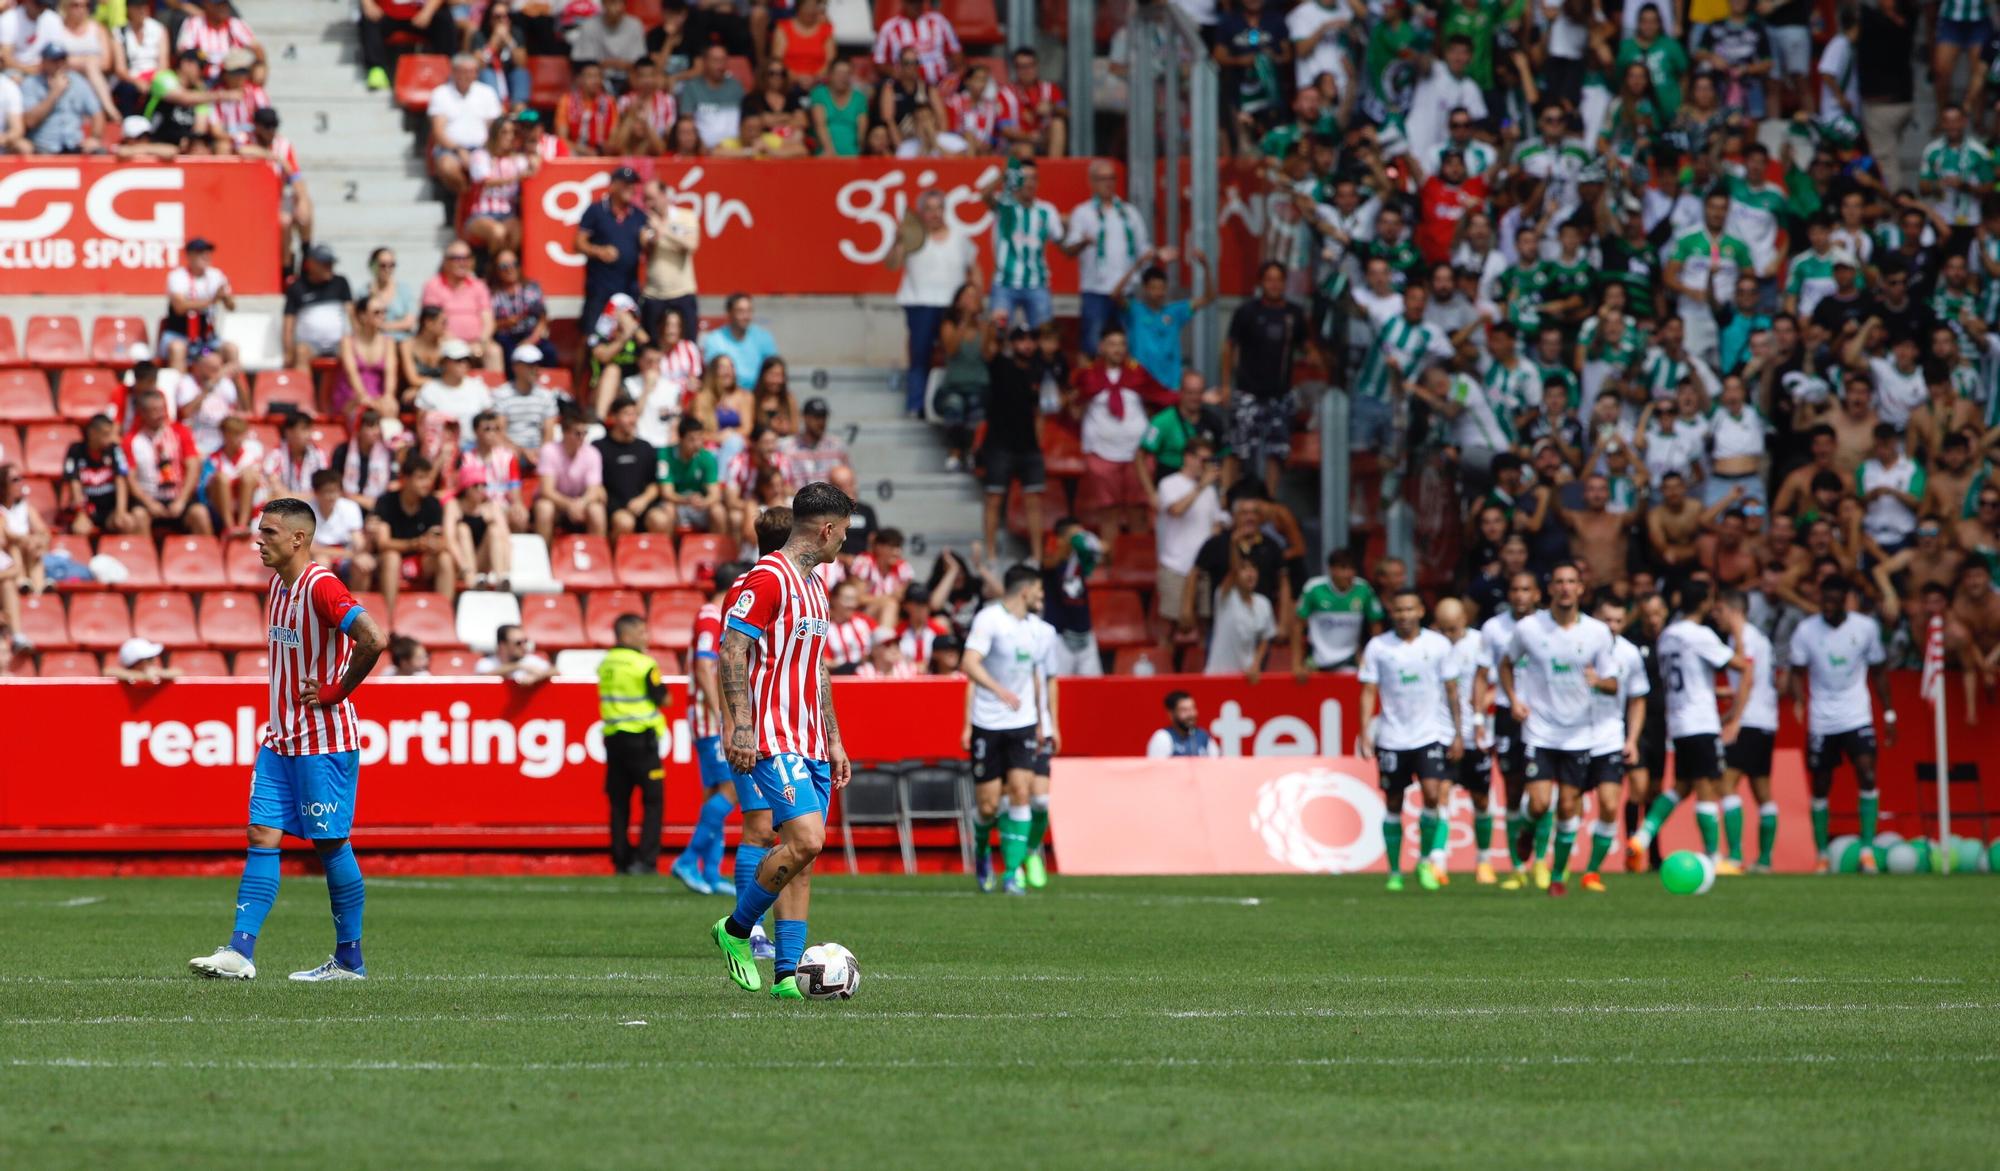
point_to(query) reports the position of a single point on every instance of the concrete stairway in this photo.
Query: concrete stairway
(360, 159)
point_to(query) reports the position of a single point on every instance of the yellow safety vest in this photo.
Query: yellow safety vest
(623, 680)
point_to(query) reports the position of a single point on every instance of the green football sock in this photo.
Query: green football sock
(1663, 808)
(1515, 824)
(1482, 833)
(1392, 841)
(1732, 826)
(1600, 845)
(1708, 819)
(982, 836)
(1819, 818)
(1565, 841)
(1870, 808)
(1426, 833)
(1038, 826)
(1013, 842)
(1440, 832)
(1767, 833)
(1544, 826)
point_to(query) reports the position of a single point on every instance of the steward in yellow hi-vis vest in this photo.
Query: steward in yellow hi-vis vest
(629, 695)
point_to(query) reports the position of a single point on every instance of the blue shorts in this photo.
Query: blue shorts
(792, 786)
(1966, 34)
(715, 770)
(308, 797)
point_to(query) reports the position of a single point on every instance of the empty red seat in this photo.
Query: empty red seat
(1135, 561)
(648, 561)
(327, 436)
(166, 617)
(1304, 456)
(136, 554)
(549, 80)
(976, 23)
(42, 496)
(90, 391)
(552, 621)
(251, 664)
(241, 568)
(581, 562)
(293, 387)
(54, 341)
(1062, 452)
(43, 446)
(701, 553)
(199, 662)
(601, 609)
(98, 622)
(1118, 619)
(453, 661)
(556, 378)
(417, 74)
(647, 12)
(233, 619)
(669, 660)
(671, 623)
(426, 618)
(377, 608)
(24, 396)
(745, 75)
(71, 665)
(44, 621)
(193, 563)
(10, 345)
(119, 341)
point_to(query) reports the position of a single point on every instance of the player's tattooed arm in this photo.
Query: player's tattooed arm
(733, 669)
(836, 752)
(368, 644)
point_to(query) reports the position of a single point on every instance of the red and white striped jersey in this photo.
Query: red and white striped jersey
(588, 121)
(308, 623)
(683, 362)
(931, 35)
(974, 117)
(661, 111)
(284, 157)
(849, 641)
(917, 640)
(236, 115)
(904, 669)
(878, 580)
(744, 468)
(214, 41)
(499, 180)
(289, 475)
(707, 642)
(1020, 103)
(784, 615)
(831, 574)
(551, 148)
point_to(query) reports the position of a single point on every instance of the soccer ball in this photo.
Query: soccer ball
(829, 971)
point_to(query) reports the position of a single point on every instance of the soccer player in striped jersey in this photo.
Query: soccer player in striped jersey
(323, 644)
(779, 724)
(1747, 757)
(700, 866)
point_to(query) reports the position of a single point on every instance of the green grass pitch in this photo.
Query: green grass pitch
(1266, 1022)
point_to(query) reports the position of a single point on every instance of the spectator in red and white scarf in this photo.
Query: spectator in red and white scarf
(494, 222)
(976, 112)
(289, 467)
(1115, 397)
(1034, 109)
(850, 632)
(928, 33)
(586, 114)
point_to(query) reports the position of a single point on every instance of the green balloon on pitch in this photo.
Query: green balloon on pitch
(1967, 855)
(1847, 860)
(1686, 873)
(1993, 857)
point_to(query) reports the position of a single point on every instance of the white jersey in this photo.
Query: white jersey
(1010, 651)
(1548, 676)
(1410, 677)
(1630, 671)
(1047, 664)
(1836, 659)
(1761, 711)
(1690, 654)
(1468, 659)
(1494, 636)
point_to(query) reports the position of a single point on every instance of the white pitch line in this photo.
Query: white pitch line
(1054, 977)
(556, 888)
(995, 1064)
(84, 901)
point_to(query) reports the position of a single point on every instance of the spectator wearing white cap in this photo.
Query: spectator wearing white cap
(467, 304)
(453, 391)
(318, 311)
(526, 406)
(141, 661)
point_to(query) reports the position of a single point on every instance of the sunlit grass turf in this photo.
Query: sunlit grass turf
(1809, 1022)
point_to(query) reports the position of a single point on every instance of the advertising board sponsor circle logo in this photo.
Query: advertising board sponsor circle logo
(1280, 820)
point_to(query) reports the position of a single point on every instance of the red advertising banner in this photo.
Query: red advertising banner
(84, 225)
(1317, 815)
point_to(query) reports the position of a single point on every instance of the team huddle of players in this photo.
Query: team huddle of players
(1580, 708)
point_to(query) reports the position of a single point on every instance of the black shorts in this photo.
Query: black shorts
(1697, 756)
(1398, 767)
(1474, 771)
(1606, 768)
(1653, 751)
(995, 754)
(1559, 765)
(1751, 754)
(1508, 747)
(1044, 763)
(1004, 465)
(1824, 753)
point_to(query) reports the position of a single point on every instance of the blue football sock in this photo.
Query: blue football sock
(791, 943)
(347, 893)
(706, 845)
(255, 893)
(752, 900)
(748, 859)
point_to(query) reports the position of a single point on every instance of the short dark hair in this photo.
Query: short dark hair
(891, 536)
(1837, 582)
(291, 507)
(727, 573)
(416, 462)
(1018, 576)
(500, 631)
(1693, 594)
(323, 477)
(1174, 699)
(774, 528)
(295, 419)
(1153, 273)
(619, 403)
(627, 621)
(820, 500)
(691, 424)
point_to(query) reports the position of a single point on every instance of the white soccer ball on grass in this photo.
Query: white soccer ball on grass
(829, 971)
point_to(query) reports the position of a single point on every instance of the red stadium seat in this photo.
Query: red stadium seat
(1118, 619)
(327, 436)
(136, 554)
(1279, 660)
(98, 622)
(241, 568)
(671, 623)
(417, 74)
(554, 622)
(251, 664)
(199, 662)
(71, 665)
(1305, 452)
(23, 667)
(10, 345)
(740, 69)
(601, 609)
(24, 396)
(112, 340)
(45, 621)
(1062, 452)
(90, 391)
(1135, 561)
(975, 23)
(373, 603)
(284, 386)
(452, 661)
(41, 492)
(43, 446)
(701, 553)
(233, 620)
(582, 562)
(426, 618)
(166, 617)
(266, 434)
(194, 563)
(668, 659)
(548, 81)
(554, 378)
(79, 551)
(647, 561)
(1141, 660)
(1193, 659)
(647, 12)
(54, 341)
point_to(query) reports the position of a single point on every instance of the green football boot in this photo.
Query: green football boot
(736, 956)
(787, 989)
(1037, 871)
(1395, 880)
(1427, 876)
